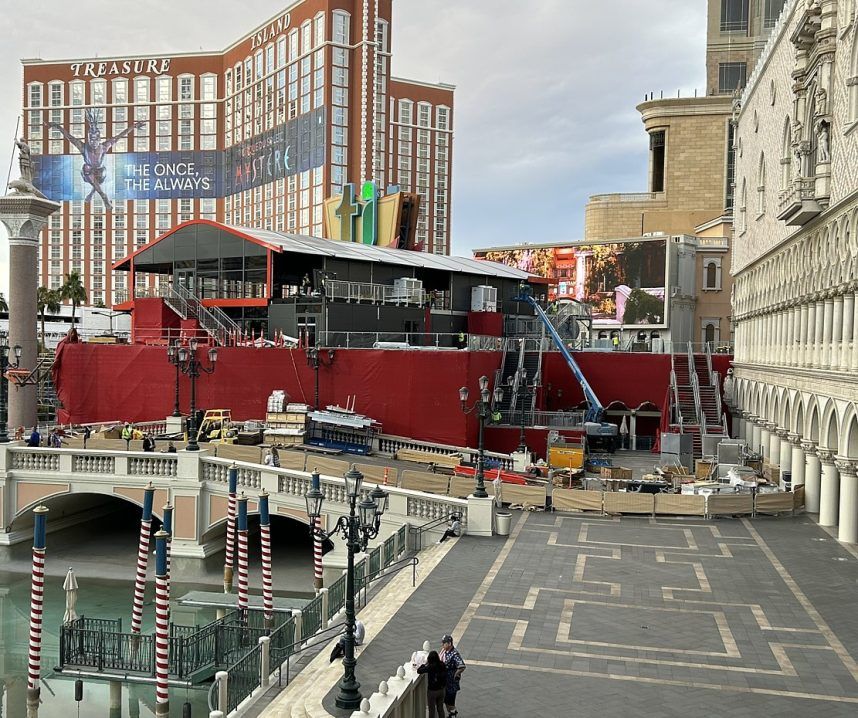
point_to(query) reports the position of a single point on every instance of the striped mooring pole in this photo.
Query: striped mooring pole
(229, 555)
(162, 626)
(37, 591)
(242, 556)
(142, 559)
(318, 575)
(265, 541)
(168, 528)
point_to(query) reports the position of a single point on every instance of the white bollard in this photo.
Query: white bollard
(216, 714)
(221, 677)
(325, 599)
(299, 635)
(265, 661)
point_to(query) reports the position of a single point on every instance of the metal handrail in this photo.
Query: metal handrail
(709, 360)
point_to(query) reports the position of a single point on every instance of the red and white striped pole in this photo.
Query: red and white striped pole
(229, 555)
(162, 626)
(318, 574)
(242, 555)
(265, 541)
(142, 559)
(36, 599)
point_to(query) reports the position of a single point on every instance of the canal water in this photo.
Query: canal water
(104, 559)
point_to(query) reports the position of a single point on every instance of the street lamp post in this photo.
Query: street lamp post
(315, 358)
(483, 408)
(193, 367)
(5, 364)
(173, 357)
(357, 530)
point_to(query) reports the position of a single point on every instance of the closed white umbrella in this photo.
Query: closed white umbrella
(70, 587)
(624, 428)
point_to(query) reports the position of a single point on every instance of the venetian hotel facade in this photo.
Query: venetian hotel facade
(257, 135)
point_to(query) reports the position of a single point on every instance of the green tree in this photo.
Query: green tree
(643, 308)
(73, 291)
(47, 300)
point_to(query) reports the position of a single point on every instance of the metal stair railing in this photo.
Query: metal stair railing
(175, 301)
(213, 319)
(708, 347)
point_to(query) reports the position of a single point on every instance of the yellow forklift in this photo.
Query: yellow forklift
(216, 427)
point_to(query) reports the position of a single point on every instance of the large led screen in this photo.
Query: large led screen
(623, 283)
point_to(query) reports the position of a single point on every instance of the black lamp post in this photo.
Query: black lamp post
(315, 359)
(190, 365)
(5, 364)
(357, 530)
(173, 357)
(483, 408)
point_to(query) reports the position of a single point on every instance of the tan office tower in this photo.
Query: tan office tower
(258, 135)
(736, 33)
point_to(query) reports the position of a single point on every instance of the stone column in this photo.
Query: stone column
(848, 324)
(764, 446)
(756, 434)
(854, 361)
(818, 333)
(774, 443)
(792, 336)
(797, 460)
(802, 335)
(811, 477)
(810, 334)
(836, 332)
(829, 489)
(24, 215)
(785, 458)
(847, 527)
(827, 326)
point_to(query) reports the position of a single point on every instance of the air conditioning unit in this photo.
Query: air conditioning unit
(484, 299)
(407, 289)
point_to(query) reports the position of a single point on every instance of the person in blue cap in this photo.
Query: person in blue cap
(452, 659)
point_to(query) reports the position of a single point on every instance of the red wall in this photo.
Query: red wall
(150, 318)
(412, 393)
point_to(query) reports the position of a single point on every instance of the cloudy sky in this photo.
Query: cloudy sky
(545, 99)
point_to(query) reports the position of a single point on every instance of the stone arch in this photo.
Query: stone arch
(849, 439)
(830, 436)
(798, 416)
(812, 430)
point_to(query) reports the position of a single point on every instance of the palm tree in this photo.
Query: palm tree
(4, 307)
(47, 300)
(73, 291)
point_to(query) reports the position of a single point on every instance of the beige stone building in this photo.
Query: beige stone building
(795, 257)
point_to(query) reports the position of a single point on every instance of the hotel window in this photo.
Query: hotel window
(164, 89)
(34, 126)
(341, 27)
(405, 110)
(164, 129)
(306, 37)
(734, 15)
(772, 12)
(443, 118)
(712, 274)
(119, 92)
(207, 208)
(656, 150)
(186, 210)
(319, 29)
(281, 51)
(36, 95)
(294, 50)
(56, 94)
(98, 90)
(731, 76)
(424, 114)
(238, 76)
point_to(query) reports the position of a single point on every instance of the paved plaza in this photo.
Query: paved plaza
(588, 615)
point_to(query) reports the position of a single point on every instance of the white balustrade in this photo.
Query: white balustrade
(151, 466)
(93, 464)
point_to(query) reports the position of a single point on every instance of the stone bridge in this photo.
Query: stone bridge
(196, 484)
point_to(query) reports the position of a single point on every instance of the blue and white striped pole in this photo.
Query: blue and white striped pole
(162, 626)
(168, 528)
(242, 555)
(37, 590)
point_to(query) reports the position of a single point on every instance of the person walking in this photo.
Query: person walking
(454, 528)
(436, 686)
(87, 432)
(272, 458)
(148, 442)
(455, 665)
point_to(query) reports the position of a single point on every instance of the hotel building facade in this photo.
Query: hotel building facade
(256, 135)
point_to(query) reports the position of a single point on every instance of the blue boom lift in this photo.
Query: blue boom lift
(601, 435)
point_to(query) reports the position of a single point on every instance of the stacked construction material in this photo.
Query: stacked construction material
(288, 426)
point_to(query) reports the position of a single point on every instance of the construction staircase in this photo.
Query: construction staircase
(695, 398)
(520, 376)
(213, 320)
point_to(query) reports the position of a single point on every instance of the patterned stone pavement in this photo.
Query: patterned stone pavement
(588, 615)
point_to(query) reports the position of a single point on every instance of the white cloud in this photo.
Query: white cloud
(545, 99)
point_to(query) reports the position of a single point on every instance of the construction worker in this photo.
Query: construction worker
(461, 339)
(615, 340)
(127, 434)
